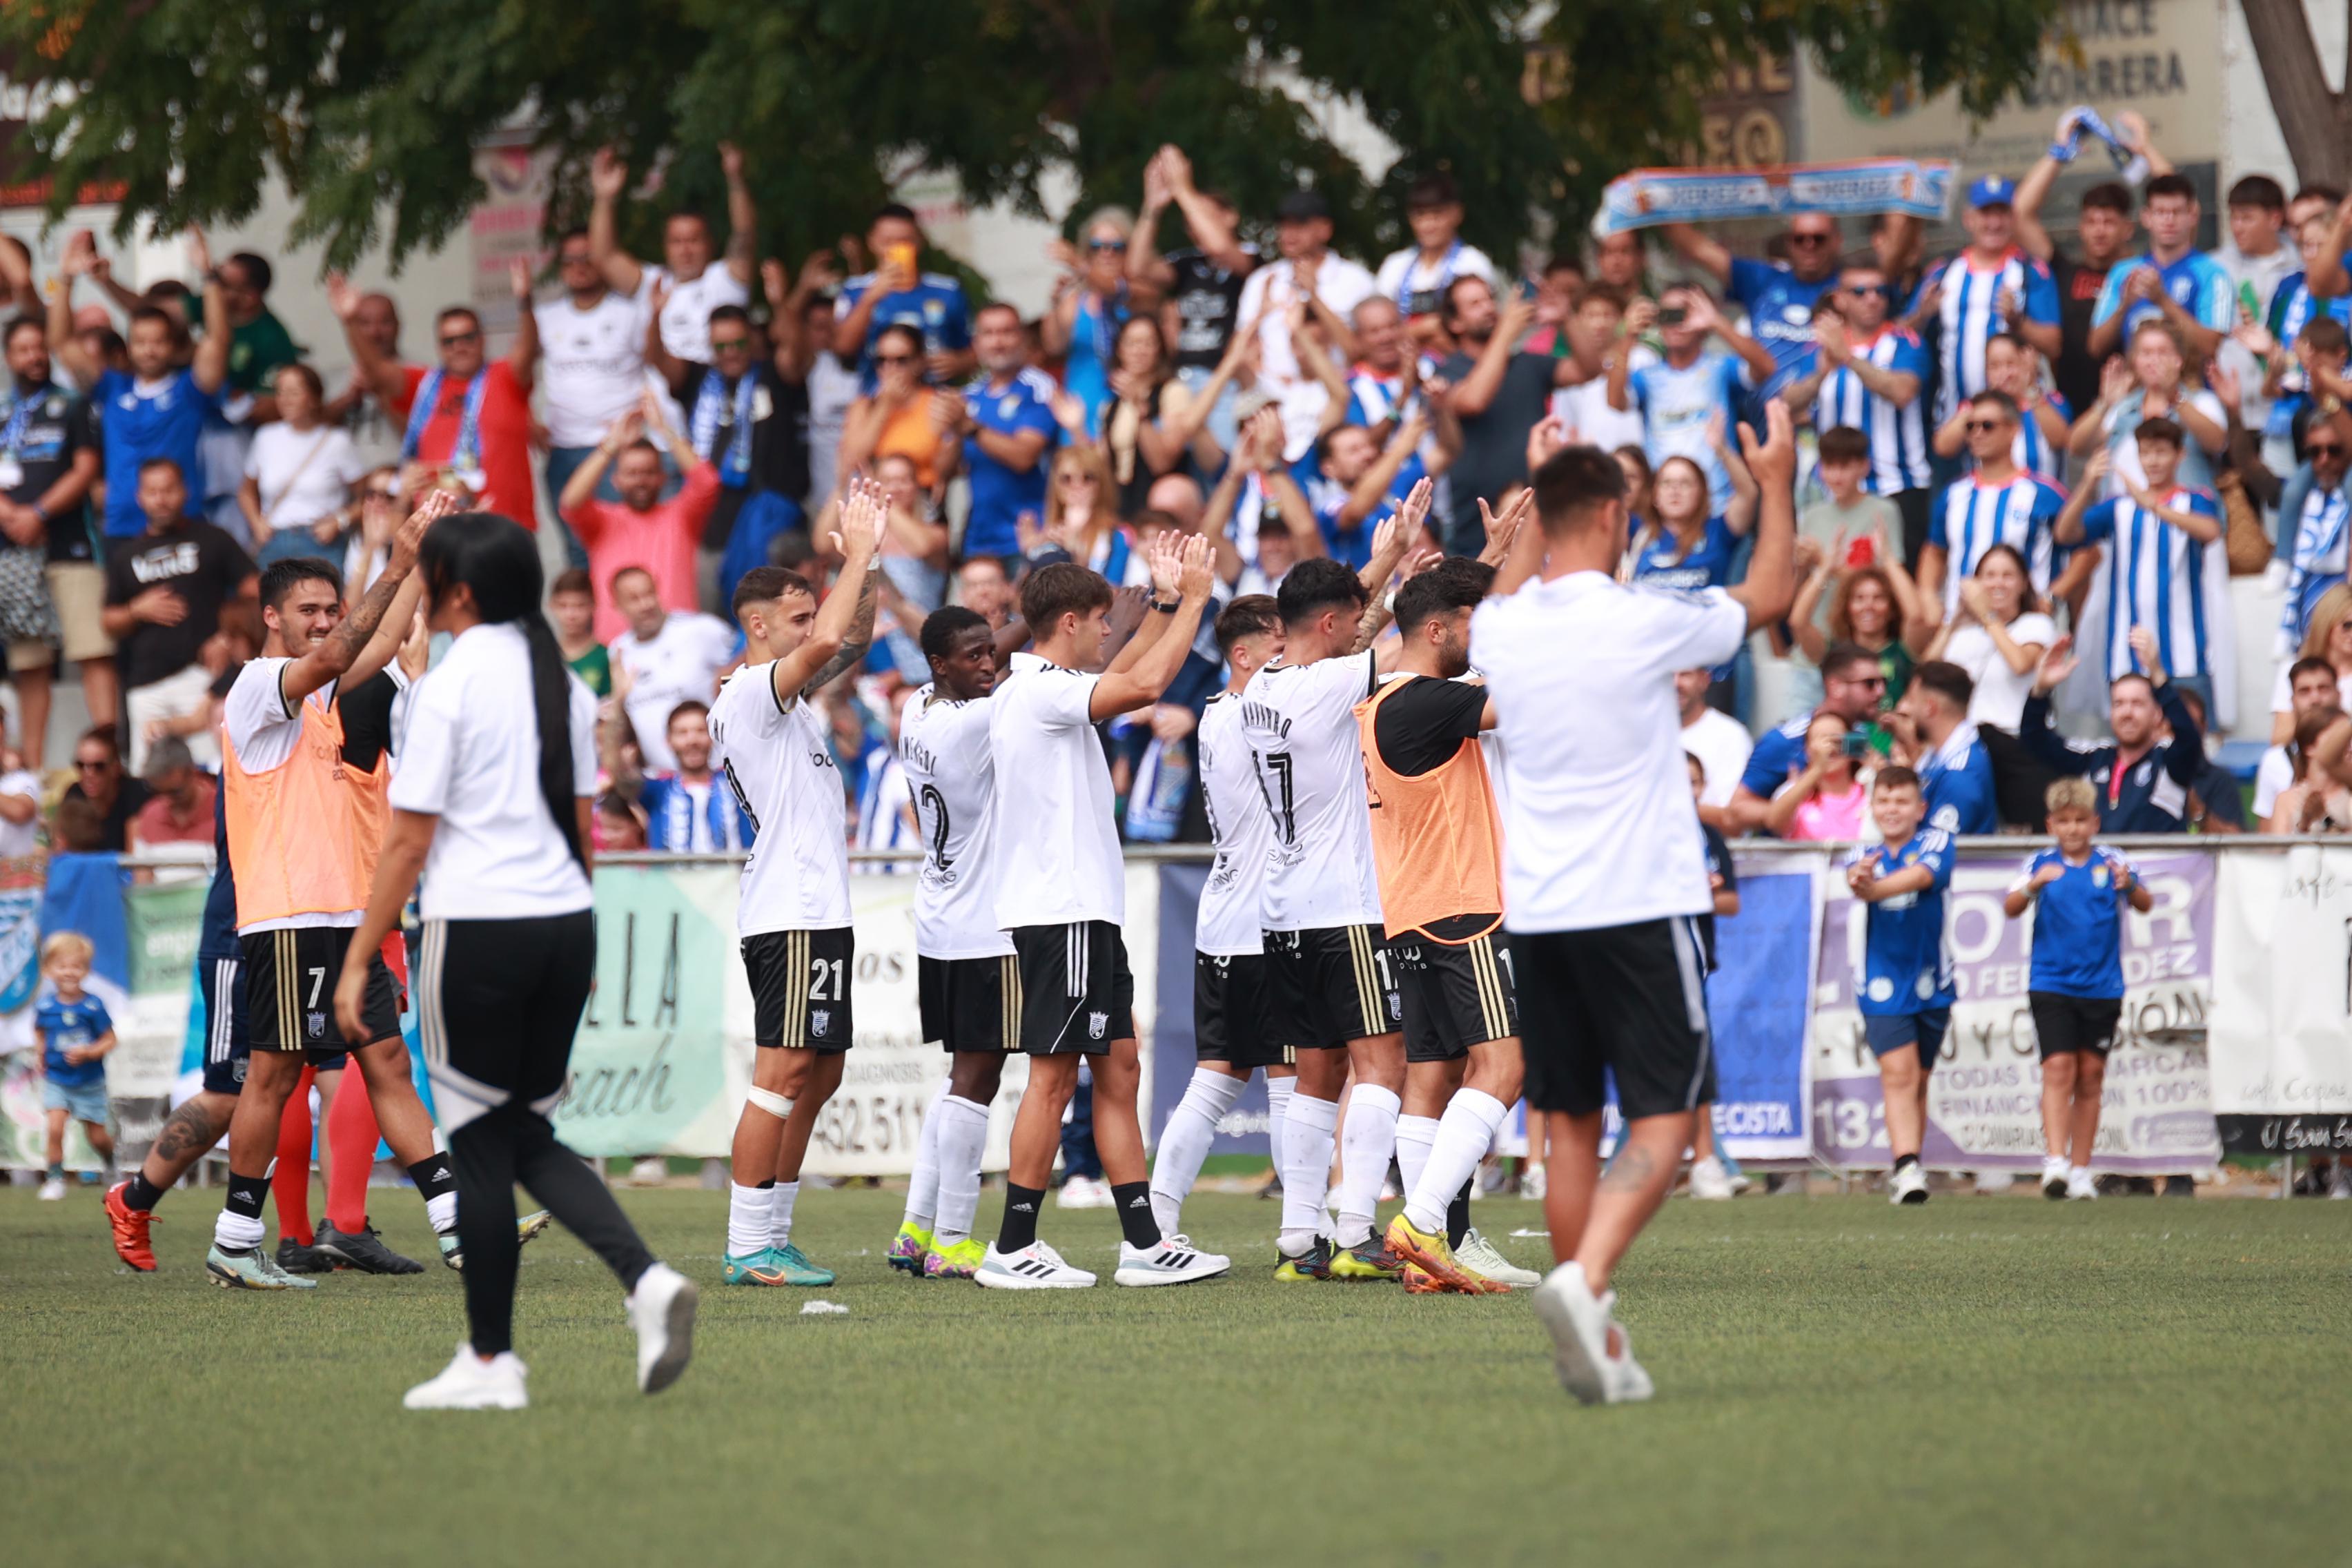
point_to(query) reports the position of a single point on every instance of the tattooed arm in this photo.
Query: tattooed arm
(856, 640)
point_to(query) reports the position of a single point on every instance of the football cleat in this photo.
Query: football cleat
(365, 1251)
(250, 1268)
(526, 1230)
(2053, 1176)
(1484, 1257)
(296, 1258)
(129, 1226)
(759, 1268)
(1369, 1260)
(1411, 1243)
(789, 1262)
(908, 1248)
(1908, 1185)
(469, 1382)
(960, 1261)
(1315, 1263)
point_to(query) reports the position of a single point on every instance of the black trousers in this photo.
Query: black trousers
(498, 1005)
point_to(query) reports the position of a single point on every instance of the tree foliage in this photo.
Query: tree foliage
(369, 109)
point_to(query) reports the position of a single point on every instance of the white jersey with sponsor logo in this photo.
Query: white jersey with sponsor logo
(1055, 850)
(1227, 924)
(1300, 720)
(943, 746)
(774, 757)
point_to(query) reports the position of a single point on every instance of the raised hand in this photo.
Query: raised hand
(519, 278)
(2145, 648)
(1829, 336)
(1179, 167)
(1773, 461)
(865, 511)
(1195, 579)
(2057, 664)
(1412, 512)
(731, 161)
(1158, 189)
(2227, 384)
(200, 251)
(608, 177)
(818, 271)
(2115, 380)
(1165, 559)
(341, 298)
(81, 254)
(409, 538)
(772, 287)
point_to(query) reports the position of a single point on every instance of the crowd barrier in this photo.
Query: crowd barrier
(2237, 1028)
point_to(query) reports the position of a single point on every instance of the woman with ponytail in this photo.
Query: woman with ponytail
(490, 803)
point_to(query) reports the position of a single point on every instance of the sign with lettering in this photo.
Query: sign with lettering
(1984, 1101)
(2283, 1002)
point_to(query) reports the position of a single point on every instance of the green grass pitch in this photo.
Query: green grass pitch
(1995, 1380)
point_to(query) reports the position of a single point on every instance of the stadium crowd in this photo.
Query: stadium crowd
(2009, 451)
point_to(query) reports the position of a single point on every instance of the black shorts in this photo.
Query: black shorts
(969, 1004)
(289, 980)
(2063, 1023)
(1229, 1022)
(1077, 992)
(1456, 994)
(1330, 985)
(498, 1003)
(800, 987)
(1624, 1002)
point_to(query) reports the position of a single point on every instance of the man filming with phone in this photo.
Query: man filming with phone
(896, 293)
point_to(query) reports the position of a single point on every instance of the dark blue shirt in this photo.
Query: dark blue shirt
(2078, 925)
(934, 307)
(2149, 796)
(137, 429)
(1957, 784)
(1000, 494)
(1779, 314)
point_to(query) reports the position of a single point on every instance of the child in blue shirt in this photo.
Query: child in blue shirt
(1904, 988)
(76, 1035)
(2077, 890)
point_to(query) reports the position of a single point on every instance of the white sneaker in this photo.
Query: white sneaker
(1083, 1192)
(1993, 1183)
(2054, 1175)
(53, 1190)
(1628, 1384)
(2079, 1186)
(2339, 1186)
(1578, 1323)
(1532, 1181)
(1036, 1266)
(1709, 1180)
(1908, 1185)
(661, 1309)
(1171, 1262)
(652, 1170)
(1476, 1252)
(469, 1382)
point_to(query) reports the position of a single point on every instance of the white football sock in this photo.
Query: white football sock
(441, 1210)
(963, 1141)
(1306, 1169)
(236, 1232)
(923, 1183)
(747, 1219)
(1364, 1151)
(1416, 1135)
(1184, 1142)
(1463, 1134)
(780, 1221)
(1279, 1091)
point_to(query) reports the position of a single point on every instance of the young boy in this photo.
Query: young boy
(1904, 984)
(1713, 1175)
(2075, 988)
(571, 605)
(1851, 513)
(2155, 536)
(76, 1035)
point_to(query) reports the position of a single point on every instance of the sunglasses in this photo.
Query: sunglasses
(1812, 238)
(725, 345)
(1884, 290)
(882, 359)
(454, 338)
(1106, 245)
(91, 768)
(1865, 680)
(2323, 449)
(1986, 427)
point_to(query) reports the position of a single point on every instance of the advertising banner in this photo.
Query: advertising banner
(1984, 1107)
(2282, 1001)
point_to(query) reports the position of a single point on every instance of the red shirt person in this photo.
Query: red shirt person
(467, 420)
(640, 529)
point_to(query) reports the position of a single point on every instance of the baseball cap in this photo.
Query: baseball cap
(1992, 191)
(1303, 207)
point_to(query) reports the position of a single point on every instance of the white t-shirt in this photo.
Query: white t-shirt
(1300, 721)
(1599, 828)
(303, 475)
(1227, 920)
(796, 877)
(680, 663)
(263, 732)
(943, 746)
(1584, 407)
(1056, 857)
(1404, 274)
(1722, 744)
(1341, 284)
(594, 366)
(685, 315)
(832, 387)
(2272, 779)
(17, 838)
(2283, 689)
(469, 755)
(2000, 692)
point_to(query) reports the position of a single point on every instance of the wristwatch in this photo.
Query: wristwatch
(1170, 607)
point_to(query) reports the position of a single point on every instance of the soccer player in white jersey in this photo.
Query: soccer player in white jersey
(1061, 893)
(1331, 993)
(1230, 1037)
(792, 912)
(1604, 870)
(968, 984)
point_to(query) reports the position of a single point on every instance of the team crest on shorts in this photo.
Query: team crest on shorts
(820, 1021)
(1396, 1006)
(316, 1023)
(1097, 1024)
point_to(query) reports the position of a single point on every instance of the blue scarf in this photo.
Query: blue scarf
(2314, 539)
(723, 828)
(465, 454)
(20, 417)
(735, 468)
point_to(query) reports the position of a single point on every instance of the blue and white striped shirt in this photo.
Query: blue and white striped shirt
(1897, 432)
(2316, 563)
(1971, 517)
(1969, 308)
(2156, 578)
